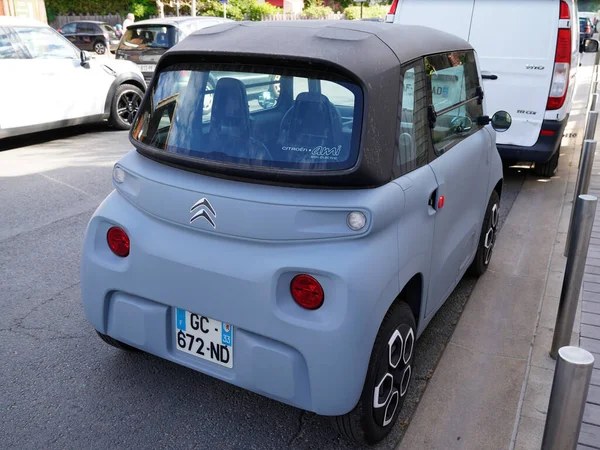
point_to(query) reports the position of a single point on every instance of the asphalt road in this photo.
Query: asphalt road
(62, 388)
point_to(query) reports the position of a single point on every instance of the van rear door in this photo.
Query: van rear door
(515, 41)
(446, 15)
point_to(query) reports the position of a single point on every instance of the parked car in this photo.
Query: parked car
(590, 15)
(144, 42)
(91, 35)
(585, 29)
(530, 72)
(49, 83)
(297, 246)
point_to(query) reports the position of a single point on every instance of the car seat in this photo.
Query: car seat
(161, 39)
(230, 130)
(311, 122)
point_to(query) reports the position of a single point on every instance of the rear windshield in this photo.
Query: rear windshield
(142, 37)
(253, 117)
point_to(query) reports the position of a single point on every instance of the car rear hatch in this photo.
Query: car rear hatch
(518, 66)
(144, 45)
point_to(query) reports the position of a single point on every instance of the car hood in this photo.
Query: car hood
(118, 66)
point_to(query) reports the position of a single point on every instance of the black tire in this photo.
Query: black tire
(549, 168)
(117, 344)
(366, 423)
(99, 47)
(125, 104)
(487, 240)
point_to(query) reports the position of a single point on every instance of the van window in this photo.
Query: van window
(253, 118)
(453, 83)
(412, 137)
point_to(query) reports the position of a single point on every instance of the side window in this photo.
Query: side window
(453, 82)
(7, 51)
(69, 28)
(45, 43)
(85, 28)
(411, 134)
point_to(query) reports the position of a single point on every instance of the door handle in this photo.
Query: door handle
(432, 198)
(435, 202)
(489, 76)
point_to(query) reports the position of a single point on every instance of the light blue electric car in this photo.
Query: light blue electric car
(297, 242)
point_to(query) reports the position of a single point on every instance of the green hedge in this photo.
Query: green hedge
(238, 9)
(369, 12)
(317, 11)
(140, 8)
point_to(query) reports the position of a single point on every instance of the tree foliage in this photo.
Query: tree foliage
(140, 8)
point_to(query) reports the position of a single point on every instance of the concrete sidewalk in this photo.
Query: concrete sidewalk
(492, 384)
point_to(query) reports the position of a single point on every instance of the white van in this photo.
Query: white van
(529, 55)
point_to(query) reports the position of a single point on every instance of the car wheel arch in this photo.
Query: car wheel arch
(123, 78)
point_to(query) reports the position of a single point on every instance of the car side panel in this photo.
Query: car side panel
(460, 172)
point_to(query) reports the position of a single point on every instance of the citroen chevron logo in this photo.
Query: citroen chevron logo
(202, 207)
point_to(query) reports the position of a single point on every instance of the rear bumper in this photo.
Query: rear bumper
(314, 360)
(542, 150)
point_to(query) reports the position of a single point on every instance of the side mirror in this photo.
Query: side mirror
(590, 46)
(461, 124)
(266, 100)
(501, 121)
(85, 57)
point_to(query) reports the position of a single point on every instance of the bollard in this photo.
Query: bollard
(594, 100)
(590, 126)
(583, 182)
(567, 399)
(581, 224)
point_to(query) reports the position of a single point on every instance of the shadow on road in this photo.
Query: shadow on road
(28, 140)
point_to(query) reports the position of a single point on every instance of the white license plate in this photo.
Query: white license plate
(204, 337)
(147, 67)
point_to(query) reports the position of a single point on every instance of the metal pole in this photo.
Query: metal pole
(592, 120)
(594, 99)
(225, 10)
(582, 223)
(361, 3)
(567, 399)
(583, 183)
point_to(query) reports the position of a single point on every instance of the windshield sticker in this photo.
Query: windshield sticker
(319, 152)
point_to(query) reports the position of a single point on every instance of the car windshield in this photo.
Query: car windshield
(253, 117)
(142, 37)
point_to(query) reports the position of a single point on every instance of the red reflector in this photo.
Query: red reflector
(441, 202)
(564, 10)
(556, 102)
(307, 292)
(393, 7)
(563, 46)
(118, 241)
(547, 133)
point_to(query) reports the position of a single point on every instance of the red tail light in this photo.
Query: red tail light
(547, 133)
(564, 10)
(562, 63)
(393, 7)
(118, 241)
(307, 292)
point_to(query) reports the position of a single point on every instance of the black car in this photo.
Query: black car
(91, 35)
(144, 42)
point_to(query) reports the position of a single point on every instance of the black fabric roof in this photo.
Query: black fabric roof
(364, 48)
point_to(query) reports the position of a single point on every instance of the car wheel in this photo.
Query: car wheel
(387, 381)
(487, 240)
(125, 105)
(549, 168)
(100, 48)
(117, 344)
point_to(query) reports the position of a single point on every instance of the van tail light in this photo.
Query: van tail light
(564, 10)
(307, 291)
(118, 241)
(562, 63)
(392, 13)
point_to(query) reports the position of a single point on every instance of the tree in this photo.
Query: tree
(175, 5)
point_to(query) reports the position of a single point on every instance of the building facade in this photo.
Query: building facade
(34, 9)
